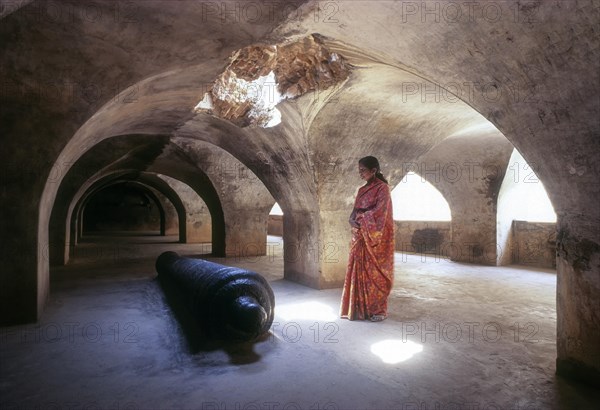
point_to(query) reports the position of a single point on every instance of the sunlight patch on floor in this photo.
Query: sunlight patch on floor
(395, 351)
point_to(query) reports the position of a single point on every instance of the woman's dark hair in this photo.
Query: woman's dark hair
(372, 162)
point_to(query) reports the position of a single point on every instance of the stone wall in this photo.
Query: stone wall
(534, 244)
(275, 225)
(431, 237)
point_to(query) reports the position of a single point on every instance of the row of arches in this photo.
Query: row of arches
(525, 218)
(416, 199)
(153, 75)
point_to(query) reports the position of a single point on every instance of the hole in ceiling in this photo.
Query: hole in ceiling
(261, 76)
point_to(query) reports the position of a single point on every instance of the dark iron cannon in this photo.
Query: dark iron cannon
(227, 302)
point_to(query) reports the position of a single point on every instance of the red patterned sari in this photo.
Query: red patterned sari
(370, 273)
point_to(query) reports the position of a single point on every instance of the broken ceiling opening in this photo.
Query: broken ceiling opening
(260, 76)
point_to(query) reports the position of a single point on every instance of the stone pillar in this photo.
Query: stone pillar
(198, 224)
(171, 219)
(316, 247)
(300, 234)
(58, 246)
(334, 247)
(23, 289)
(578, 298)
(198, 221)
(245, 231)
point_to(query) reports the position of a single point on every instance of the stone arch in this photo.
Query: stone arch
(153, 180)
(73, 212)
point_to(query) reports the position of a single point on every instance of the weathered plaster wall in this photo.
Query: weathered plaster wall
(275, 225)
(534, 244)
(171, 226)
(529, 72)
(72, 85)
(198, 220)
(429, 237)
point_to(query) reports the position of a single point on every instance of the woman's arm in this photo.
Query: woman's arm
(352, 219)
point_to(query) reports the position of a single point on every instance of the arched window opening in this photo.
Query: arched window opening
(523, 192)
(415, 199)
(526, 221)
(275, 226)
(276, 210)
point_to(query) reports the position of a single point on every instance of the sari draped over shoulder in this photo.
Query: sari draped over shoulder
(370, 272)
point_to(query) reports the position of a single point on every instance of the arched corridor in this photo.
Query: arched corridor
(192, 119)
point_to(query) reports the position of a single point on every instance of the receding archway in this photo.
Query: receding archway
(123, 208)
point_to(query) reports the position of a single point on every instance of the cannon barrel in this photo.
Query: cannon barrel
(227, 302)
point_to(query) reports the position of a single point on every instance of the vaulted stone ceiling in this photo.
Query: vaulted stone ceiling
(91, 89)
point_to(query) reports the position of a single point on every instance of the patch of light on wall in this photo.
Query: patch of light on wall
(307, 311)
(415, 199)
(276, 210)
(394, 351)
(476, 130)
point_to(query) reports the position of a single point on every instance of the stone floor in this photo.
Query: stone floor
(458, 336)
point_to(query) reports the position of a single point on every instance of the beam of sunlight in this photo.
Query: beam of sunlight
(393, 351)
(306, 310)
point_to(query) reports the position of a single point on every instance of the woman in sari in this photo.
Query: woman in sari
(370, 272)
